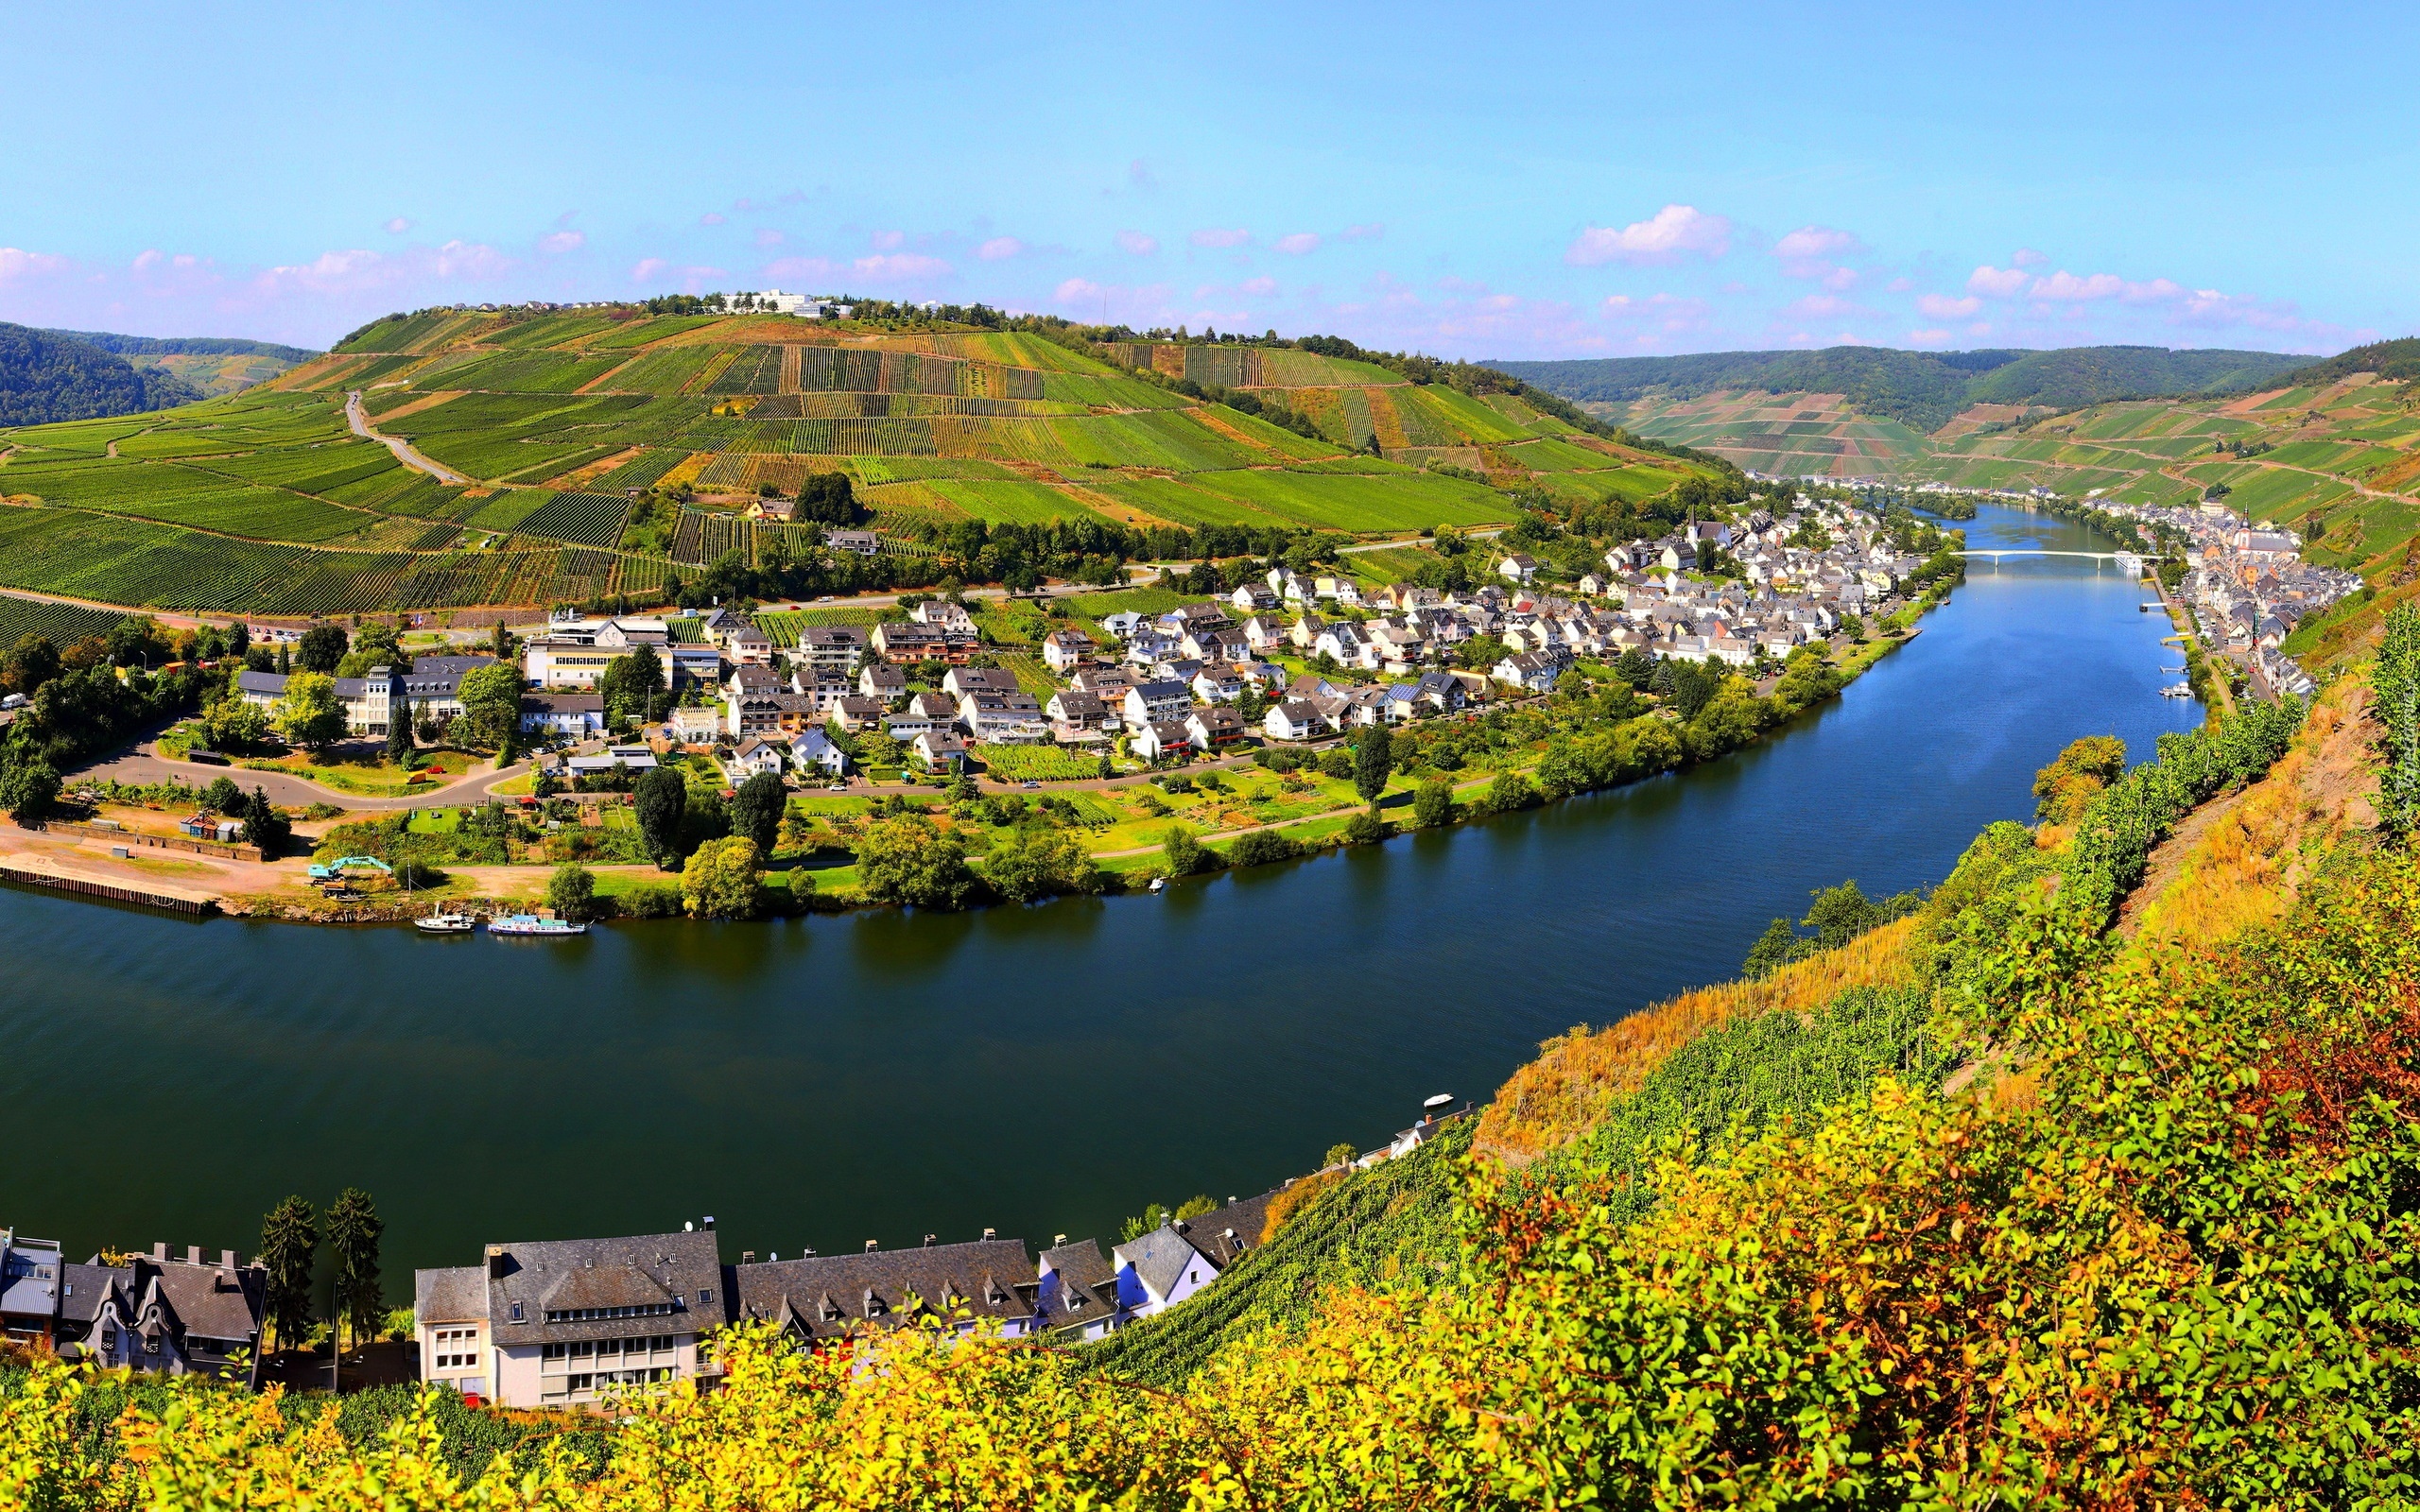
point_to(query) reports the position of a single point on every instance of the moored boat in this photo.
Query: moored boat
(531, 924)
(445, 924)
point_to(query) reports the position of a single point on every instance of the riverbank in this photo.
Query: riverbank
(1529, 753)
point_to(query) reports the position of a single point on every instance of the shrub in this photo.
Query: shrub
(1365, 827)
(1259, 848)
(654, 899)
(1433, 804)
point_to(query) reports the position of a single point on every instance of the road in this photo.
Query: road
(405, 452)
(143, 766)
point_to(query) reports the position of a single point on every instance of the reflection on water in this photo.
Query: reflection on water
(1040, 1070)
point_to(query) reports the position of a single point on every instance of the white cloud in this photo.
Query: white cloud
(999, 247)
(1220, 236)
(647, 268)
(1673, 232)
(712, 217)
(1362, 233)
(398, 226)
(1260, 287)
(1823, 307)
(1942, 307)
(15, 262)
(900, 267)
(1934, 336)
(767, 236)
(2063, 288)
(1816, 242)
(886, 241)
(557, 243)
(1137, 243)
(1996, 282)
(1299, 243)
(2028, 257)
(1070, 290)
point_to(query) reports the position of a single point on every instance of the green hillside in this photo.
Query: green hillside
(211, 365)
(1924, 389)
(975, 450)
(50, 375)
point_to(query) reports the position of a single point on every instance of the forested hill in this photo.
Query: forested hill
(45, 377)
(2397, 360)
(1923, 389)
(186, 346)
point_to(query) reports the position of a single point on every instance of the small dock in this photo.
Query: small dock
(85, 887)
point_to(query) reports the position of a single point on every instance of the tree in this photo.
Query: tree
(399, 734)
(756, 810)
(500, 643)
(661, 795)
(725, 879)
(222, 795)
(353, 1230)
(632, 686)
(307, 713)
(234, 725)
(1372, 759)
(32, 661)
(1432, 803)
(264, 827)
(571, 892)
(1365, 827)
(322, 648)
(909, 860)
(490, 706)
(1339, 1154)
(28, 787)
(1040, 863)
(1186, 854)
(289, 1238)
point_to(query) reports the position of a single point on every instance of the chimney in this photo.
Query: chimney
(748, 1257)
(871, 1246)
(160, 1251)
(1055, 1240)
(928, 1240)
(496, 1261)
(991, 1235)
(193, 1254)
(710, 1223)
(227, 1259)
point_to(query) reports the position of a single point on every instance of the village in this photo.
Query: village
(573, 1323)
(2246, 585)
(1225, 699)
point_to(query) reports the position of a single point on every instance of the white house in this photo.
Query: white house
(1520, 567)
(813, 751)
(1155, 738)
(1147, 702)
(1061, 649)
(1294, 719)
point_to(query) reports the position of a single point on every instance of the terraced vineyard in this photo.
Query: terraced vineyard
(264, 501)
(62, 624)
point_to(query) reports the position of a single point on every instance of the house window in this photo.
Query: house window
(516, 1312)
(108, 1337)
(550, 1351)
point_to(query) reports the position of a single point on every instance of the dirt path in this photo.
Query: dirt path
(144, 765)
(405, 452)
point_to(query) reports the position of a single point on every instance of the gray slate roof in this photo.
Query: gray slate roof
(828, 1295)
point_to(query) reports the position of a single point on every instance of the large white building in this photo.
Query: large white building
(563, 1321)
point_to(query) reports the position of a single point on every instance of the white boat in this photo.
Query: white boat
(445, 924)
(2176, 690)
(533, 925)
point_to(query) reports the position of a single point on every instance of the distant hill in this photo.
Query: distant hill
(45, 377)
(213, 364)
(187, 346)
(2398, 359)
(1921, 389)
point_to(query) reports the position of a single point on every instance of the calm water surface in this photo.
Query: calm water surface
(825, 1081)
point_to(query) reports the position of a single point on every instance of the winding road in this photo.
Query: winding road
(143, 766)
(405, 452)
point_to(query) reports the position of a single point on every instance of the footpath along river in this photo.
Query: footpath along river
(825, 1081)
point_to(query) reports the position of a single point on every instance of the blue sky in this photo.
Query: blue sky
(1472, 181)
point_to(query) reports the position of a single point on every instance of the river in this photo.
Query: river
(1047, 1070)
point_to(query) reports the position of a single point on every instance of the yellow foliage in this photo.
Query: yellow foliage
(1561, 1095)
